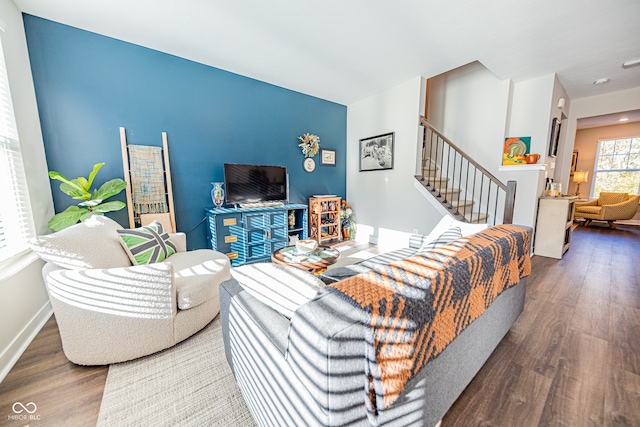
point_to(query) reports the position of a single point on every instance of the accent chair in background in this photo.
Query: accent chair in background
(608, 207)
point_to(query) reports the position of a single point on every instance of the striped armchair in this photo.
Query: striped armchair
(608, 207)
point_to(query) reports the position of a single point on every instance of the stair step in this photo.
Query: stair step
(461, 204)
(427, 163)
(431, 175)
(475, 218)
(449, 193)
(436, 182)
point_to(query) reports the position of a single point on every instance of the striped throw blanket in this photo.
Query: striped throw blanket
(149, 194)
(417, 306)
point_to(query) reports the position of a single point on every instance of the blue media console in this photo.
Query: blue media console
(248, 235)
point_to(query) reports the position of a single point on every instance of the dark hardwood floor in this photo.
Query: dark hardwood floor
(571, 359)
(573, 356)
(64, 394)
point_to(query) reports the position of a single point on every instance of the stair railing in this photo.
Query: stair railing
(465, 188)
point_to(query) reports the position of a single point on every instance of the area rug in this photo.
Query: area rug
(189, 384)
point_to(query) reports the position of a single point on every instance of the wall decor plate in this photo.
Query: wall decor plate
(309, 164)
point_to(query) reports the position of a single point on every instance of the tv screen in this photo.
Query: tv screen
(254, 184)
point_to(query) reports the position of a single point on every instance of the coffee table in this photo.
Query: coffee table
(316, 261)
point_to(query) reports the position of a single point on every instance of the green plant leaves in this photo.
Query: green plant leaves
(109, 188)
(66, 218)
(92, 204)
(74, 190)
(93, 173)
(116, 205)
(70, 187)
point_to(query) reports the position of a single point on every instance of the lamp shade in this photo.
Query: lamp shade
(580, 176)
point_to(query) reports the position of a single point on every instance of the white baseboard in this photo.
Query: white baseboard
(629, 222)
(20, 343)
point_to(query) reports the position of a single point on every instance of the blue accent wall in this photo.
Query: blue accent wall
(88, 86)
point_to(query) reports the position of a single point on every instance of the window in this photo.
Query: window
(16, 221)
(617, 166)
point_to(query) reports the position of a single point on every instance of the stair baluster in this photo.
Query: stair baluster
(442, 176)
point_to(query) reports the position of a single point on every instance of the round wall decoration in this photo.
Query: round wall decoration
(309, 164)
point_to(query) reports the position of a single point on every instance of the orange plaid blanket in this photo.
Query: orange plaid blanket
(417, 306)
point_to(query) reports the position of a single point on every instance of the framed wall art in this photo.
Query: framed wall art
(574, 162)
(376, 152)
(327, 157)
(555, 137)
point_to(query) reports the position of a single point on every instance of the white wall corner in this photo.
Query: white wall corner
(14, 350)
(387, 199)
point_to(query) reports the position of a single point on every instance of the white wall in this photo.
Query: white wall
(24, 304)
(469, 105)
(477, 111)
(531, 115)
(388, 200)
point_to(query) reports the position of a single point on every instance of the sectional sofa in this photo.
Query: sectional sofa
(339, 356)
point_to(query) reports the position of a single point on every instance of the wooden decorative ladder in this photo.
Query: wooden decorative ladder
(467, 191)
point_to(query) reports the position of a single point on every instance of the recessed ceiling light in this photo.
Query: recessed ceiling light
(624, 119)
(631, 63)
(601, 81)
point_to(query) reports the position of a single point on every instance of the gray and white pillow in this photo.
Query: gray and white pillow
(445, 238)
(147, 244)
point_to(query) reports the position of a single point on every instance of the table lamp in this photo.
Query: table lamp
(579, 177)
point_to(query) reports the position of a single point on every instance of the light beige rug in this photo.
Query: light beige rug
(189, 384)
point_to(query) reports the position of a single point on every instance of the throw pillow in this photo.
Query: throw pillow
(448, 222)
(147, 244)
(93, 243)
(445, 238)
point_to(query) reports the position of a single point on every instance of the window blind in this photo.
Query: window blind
(16, 221)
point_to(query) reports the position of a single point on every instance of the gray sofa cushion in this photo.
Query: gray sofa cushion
(333, 275)
(282, 288)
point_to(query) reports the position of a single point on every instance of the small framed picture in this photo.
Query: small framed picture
(376, 152)
(574, 162)
(327, 157)
(555, 137)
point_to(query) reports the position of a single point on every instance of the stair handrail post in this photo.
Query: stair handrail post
(509, 203)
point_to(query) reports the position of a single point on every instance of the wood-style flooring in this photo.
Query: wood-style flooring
(571, 359)
(573, 356)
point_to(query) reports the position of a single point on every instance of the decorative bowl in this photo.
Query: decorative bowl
(306, 246)
(532, 158)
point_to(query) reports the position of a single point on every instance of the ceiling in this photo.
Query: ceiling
(346, 51)
(609, 119)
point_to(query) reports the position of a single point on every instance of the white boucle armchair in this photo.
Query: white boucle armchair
(113, 314)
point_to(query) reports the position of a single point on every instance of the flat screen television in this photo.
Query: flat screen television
(254, 183)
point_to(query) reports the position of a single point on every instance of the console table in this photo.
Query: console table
(553, 226)
(248, 235)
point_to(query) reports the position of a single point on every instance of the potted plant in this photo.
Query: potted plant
(92, 203)
(348, 221)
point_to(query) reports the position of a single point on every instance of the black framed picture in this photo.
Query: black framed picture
(376, 152)
(574, 162)
(327, 157)
(555, 137)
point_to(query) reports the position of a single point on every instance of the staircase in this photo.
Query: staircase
(463, 187)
